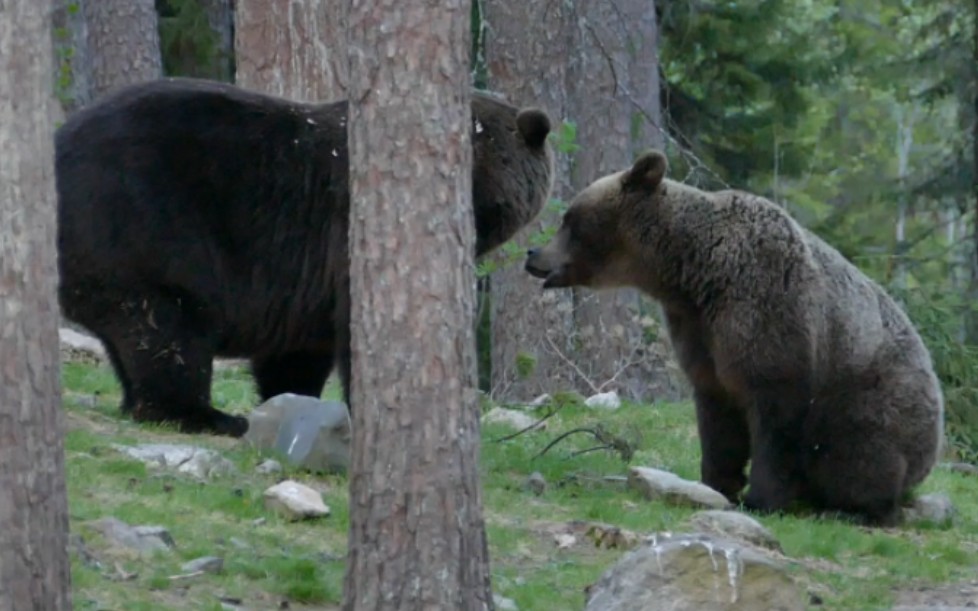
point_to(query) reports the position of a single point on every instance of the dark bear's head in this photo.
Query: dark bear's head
(596, 244)
(512, 168)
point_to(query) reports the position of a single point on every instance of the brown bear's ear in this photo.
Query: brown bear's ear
(534, 125)
(647, 171)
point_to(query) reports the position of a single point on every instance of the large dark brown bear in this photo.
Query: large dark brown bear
(800, 363)
(200, 219)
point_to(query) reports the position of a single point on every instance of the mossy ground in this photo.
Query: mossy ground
(268, 561)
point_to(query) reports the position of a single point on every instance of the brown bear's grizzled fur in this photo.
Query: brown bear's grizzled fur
(200, 219)
(799, 362)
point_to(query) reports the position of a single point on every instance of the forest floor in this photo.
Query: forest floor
(270, 563)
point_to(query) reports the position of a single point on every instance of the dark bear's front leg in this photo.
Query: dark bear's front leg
(301, 373)
(724, 442)
(776, 418)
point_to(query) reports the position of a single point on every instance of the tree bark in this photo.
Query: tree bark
(220, 16)
(607, 84)
(417, 536)
(72, 58)
(124, 42)
(291, 48)
(34, 567)
(526, 45)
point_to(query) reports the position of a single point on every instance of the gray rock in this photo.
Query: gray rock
(669, 487)
(734, 525)
(536, 484)
(142, 539)
(935, 508)
(269, 466)
(310, 433)
(295, 501)
(604, 400)
(541, 400)
(504, 604)
(198, 462)
(511, 418)
(694, 572)
(205, 564)
(962, 467)
(77, 346)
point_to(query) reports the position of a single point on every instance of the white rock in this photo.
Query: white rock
(510, 417)
(936, 508)
(268, 466)
(295, 501)
(78, 346)
(205, 564)
(658, 484)
(504, 604)
(142, 539)
(540, 400)
(198, 462)
(604, 400)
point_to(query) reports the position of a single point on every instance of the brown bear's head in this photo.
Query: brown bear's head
(596, 245)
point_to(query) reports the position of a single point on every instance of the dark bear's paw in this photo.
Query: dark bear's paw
(765, 502)
(216, 422)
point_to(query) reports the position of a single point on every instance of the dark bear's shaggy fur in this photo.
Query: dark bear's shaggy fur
(799, 362)
(200, 219)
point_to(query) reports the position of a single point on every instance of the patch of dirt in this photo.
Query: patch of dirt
(962, 594)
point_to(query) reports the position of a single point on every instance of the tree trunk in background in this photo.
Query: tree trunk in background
(34, 567)
(526, 50)
(220, 16)
(124, 42)
(593, 64)
(417, 536)
(72, 59)
(291, 48)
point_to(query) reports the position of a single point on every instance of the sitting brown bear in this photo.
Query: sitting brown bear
(799, 362)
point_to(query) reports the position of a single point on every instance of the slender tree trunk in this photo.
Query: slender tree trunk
(417, 537)
(220, 16)
(595, 64)
(526, 46)
(124, 42)
(292, 48)
(72, 59)
(34, 567)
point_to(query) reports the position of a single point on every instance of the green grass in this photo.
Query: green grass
(268, 561)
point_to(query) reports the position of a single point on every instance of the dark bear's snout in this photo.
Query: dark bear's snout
(534, 265)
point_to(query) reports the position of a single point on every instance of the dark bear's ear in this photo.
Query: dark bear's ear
(534, 125)
(647, 171)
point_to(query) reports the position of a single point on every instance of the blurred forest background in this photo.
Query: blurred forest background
(858, 116)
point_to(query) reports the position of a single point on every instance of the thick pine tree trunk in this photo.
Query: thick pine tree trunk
(124, 43)
(292, 48)
(593, 64)
(34, 567)
(417, 537)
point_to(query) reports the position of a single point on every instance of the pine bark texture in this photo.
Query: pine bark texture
(417, 536)
(594, 64)
(124, 43)
(72, 58)
(291, 48)
(34, 567)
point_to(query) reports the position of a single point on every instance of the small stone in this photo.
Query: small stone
(604, 400)
(934, 508)
(541, 400)
(536, 483)
(658, 484)
(269, 466)
(142, 539)
(963, 467)
(204, 564)
(295, 501)
(564, 540)
(238, 543)
(258, 521)
(77, 346)
(197, 462)
(734, 525)
(511, 417)
(504, 604)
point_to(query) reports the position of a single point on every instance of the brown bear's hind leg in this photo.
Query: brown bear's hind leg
(301, 373)
(724, 442)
